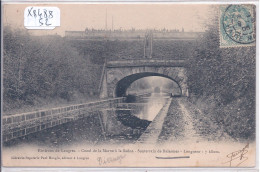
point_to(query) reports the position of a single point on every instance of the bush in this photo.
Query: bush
(226, 76)
(44, 67)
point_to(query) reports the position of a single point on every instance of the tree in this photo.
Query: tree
(43, 67)
(226, 75)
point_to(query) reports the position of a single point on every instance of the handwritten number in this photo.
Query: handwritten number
(34, 13)
(40, 15)
(50, 14)
(44, 15)
(46, 23)
(41, 23)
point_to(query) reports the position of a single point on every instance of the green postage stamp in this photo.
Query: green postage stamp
(237, 25)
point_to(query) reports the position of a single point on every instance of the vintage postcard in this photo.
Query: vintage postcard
(128, 85)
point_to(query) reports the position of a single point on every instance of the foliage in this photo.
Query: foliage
(45, 67)
(227, 76)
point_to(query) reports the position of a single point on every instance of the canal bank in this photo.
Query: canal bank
(185, 123)
(111, 123)
(151, 134)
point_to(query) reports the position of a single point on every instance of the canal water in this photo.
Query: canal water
(121, 125)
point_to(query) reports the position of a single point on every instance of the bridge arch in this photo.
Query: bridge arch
(118, 75)
(123, 84)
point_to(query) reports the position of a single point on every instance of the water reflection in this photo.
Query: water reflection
(154, 103)
(123, 124)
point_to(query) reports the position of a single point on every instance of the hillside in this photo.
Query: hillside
(99, 50)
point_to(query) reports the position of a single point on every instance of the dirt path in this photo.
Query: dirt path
(205, 124)
(186, 123)
(182, 122)
(189, 131)
(179, 124)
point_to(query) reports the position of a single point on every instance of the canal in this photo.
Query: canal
(123, 124)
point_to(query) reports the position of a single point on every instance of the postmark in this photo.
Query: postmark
(237, 26)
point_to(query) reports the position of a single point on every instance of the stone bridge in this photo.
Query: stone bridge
(118, 75)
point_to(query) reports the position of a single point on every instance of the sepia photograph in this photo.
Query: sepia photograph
(128, 85)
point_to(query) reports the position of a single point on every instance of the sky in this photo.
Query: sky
(76, 17)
